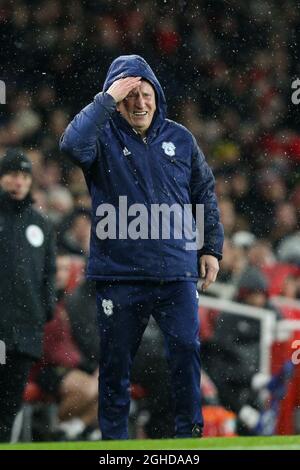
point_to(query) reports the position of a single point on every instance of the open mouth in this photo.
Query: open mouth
(140, 113)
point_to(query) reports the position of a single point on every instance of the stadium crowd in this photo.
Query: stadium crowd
(227, 70)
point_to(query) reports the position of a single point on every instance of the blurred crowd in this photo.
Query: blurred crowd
(226, 68)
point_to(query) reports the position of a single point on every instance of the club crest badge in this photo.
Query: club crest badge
(108, 307)
(169, 148)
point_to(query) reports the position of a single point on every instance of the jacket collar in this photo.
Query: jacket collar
(10, 204)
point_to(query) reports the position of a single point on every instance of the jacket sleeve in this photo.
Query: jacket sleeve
(48, 287)
(203, 192)
(79, 140)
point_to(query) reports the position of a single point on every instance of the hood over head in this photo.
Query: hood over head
(135, 66)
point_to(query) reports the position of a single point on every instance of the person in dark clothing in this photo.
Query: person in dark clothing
(27, 258)
(130, 151)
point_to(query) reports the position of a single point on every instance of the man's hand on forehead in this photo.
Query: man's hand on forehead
(120, 88)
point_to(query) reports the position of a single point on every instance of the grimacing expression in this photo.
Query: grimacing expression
(138, 107)
(17, 184)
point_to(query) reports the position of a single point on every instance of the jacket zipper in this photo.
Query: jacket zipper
(155, 202)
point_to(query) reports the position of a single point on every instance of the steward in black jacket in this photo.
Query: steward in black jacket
(27, 260)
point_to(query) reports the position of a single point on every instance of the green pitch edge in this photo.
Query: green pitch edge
(235, 443)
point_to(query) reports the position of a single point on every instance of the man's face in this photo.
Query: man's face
(138, 107)
(17, 184)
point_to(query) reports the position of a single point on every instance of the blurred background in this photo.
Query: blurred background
(227, 69)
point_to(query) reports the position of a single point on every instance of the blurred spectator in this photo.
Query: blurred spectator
(271, 191)
(291, 287)
(260, 254)
(228, 216)
(252, 288)
(289, 249)
(285, 223)
(232, 262)
(243, 239)
(60, 204)
(74, 232)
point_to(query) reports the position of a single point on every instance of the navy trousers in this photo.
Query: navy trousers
(124, 309)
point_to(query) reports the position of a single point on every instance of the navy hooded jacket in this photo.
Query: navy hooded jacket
(169, 168)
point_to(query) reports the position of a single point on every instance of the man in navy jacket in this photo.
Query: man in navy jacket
(135, 161)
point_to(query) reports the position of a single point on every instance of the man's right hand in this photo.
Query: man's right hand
(120, 88)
